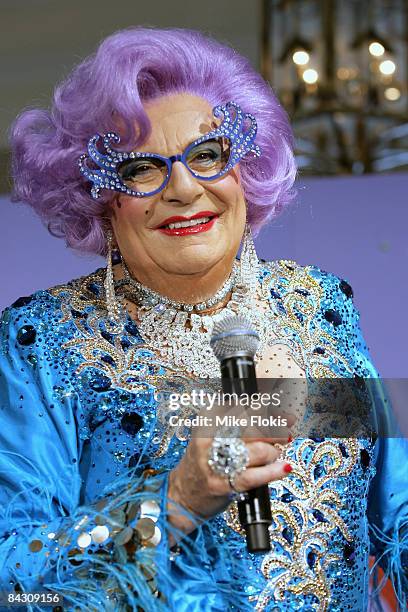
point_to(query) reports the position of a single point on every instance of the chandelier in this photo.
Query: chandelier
(340, 69)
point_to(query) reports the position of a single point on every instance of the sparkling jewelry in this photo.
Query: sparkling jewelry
(118, 171)
(147, 298)
(180, 334)
(228, 456)
(182, 338)
(113, 306)
(249, 260)
(235, 494)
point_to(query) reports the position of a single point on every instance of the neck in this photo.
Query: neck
(188, 288)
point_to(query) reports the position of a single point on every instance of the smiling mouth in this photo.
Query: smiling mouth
(188, 223)
(201, 222)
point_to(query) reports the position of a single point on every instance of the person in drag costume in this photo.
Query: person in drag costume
(163, 152)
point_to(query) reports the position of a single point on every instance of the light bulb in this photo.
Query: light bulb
(376, 49)
(300, 57)
(310, 75)
(387, 67)
(392, 93)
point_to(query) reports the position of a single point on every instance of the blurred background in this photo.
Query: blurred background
(340, 70)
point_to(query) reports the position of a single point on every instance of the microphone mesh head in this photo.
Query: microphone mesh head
(233, 335)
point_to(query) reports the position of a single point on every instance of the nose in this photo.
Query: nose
(182, 187)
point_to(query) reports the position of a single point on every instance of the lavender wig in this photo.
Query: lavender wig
(130, 67)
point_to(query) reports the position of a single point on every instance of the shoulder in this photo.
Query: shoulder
(314, 304)
(44, 311)
(310, 281)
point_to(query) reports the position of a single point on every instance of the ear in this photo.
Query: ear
(114, 202)
(112, 206)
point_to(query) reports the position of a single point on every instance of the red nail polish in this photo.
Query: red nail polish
(290, 439)
(287, 468)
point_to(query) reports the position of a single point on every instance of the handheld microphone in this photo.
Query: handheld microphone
(235, 343)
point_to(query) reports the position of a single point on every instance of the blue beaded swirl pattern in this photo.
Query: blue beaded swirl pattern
(234, 127)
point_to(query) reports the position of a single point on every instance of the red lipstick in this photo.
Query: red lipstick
(193, 229)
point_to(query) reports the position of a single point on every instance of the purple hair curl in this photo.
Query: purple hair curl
(129, 68)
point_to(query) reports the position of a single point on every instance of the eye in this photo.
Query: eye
(207, 155)
(147, 170)
(143, 168)
(205, 152)
(210, 157)
(136, 169)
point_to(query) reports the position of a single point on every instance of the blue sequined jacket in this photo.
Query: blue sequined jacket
(84, 461)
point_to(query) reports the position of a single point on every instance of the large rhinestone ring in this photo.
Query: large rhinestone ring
(228, 455)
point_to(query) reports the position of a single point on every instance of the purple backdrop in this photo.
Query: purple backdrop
(355, 227)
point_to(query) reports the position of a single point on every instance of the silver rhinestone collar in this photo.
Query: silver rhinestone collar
(148, 298)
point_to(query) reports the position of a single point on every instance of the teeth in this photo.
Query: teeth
(189, 223)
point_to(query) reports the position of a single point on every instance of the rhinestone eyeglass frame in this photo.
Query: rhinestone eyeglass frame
(106, 176)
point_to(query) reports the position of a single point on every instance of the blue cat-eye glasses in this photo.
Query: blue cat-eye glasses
(142, 174)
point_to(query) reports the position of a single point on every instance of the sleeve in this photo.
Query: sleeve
(100, 556)
(388, 501)
(387, 510)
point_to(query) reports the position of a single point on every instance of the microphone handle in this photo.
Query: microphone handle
(254, 506)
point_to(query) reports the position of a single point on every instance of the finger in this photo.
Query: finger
(262, 453)
(257, 476)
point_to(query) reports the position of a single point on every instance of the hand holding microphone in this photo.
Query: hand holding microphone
(196, 488)
(203, 492)
(235, 343)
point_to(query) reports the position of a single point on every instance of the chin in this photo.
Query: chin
(192, 262)
(191, 267)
